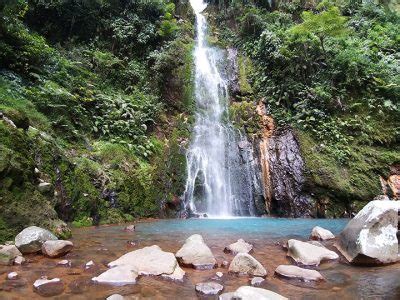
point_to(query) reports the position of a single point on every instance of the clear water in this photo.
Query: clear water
(106, 243)
(218, 182)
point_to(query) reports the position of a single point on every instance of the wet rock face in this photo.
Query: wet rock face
(284, 195)
(370, 237)
(232, 72)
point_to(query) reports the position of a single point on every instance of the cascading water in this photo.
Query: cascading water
(218, 181)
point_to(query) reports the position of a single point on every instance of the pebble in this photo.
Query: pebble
(64, 262)
(19, 260)
(256, 281)
(12, 275)
(219, 274)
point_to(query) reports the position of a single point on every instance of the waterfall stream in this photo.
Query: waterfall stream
(219, 180)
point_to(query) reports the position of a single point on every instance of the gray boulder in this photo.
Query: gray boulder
(308, 254)
(244, 263)
(256, 281)
(239, 247)
(195, 253)
(321, 234)
(294, 272)
(209, 288)
(56, 248)
(7, 254)
(370, 237)
(30, 239)
(252, 293)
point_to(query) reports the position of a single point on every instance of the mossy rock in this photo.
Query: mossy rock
(19, 118)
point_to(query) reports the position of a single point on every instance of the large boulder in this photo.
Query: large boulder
(119, 275)
(30, 239)
(252, 293)
(239, 247)
(7, 254)
(195, 253)
(308, 254)
(148, 261)
(321, 234)
(244, 263)
(294, 272)
(56, 248)
(370, 237)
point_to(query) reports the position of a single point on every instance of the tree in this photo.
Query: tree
(328, 23)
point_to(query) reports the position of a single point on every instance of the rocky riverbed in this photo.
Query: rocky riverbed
(167, 259)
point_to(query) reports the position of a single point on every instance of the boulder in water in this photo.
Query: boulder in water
(308, 254)
(115, 297)
(321, 234)
(7, 254)
(370, 237)
(130, 228)
(195, 253)
(239, 247)
(177, 275)
(30, 239)
(252, 293)
(294, 272)
(56, 248)
(244, 263)
(209, 288)
(48, 287)
(148, 261)
(119, 275)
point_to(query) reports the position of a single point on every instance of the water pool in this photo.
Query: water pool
(106, 243)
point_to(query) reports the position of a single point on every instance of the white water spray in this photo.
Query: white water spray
(218, 183)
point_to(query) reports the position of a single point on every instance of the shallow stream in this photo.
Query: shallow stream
(106, 243)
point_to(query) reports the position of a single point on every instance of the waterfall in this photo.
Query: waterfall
(219, 183)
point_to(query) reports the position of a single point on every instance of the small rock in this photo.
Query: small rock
(219, 274)
(30, 239)
(44, 187)
(257, 281)
(56, 248)
(239, 247)
(36, 170)
(48, 287)
(195, 253)
(120, 275)
(225, 264)
(19, 260)
(115, 297)
(12, 276)
(209, 288)
(319, 233)
(7, 254)
(244, 263)
(64, 262)
(89, 264)
(130, 228)
(252, 293)
(294, 272)
(307, 254)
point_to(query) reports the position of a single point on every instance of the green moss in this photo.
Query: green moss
(244, 116)
(348, 185)
(245, 68)
(83, 222)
